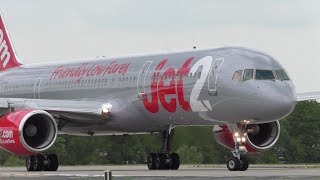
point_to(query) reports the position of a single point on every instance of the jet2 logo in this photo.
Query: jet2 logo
(4, 53)
(175, 88)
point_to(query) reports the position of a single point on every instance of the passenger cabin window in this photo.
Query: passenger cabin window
(237, 75)
(281, 75)
(248, 74)
(264, 75)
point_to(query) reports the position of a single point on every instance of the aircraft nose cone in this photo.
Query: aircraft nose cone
(284, 104)
(283, 101)
(275, 103)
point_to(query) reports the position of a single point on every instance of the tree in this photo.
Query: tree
(190, 154)
(301, 134)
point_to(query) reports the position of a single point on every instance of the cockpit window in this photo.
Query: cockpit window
(264, 75)
(248, 74)
(281, 75)
(237, 75)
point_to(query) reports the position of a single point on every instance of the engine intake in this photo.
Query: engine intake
(258, 137)
(263, 136)
(27, 132)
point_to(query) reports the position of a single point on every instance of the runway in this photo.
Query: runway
(185, 172)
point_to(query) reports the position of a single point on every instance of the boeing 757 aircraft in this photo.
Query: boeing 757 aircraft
(242, 93)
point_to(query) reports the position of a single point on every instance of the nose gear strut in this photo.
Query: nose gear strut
(238, 162)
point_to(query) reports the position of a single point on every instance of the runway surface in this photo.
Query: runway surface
(185, 172)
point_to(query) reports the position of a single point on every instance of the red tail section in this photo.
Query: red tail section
(7, 57)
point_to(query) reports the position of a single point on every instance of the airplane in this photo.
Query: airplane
(241, 92)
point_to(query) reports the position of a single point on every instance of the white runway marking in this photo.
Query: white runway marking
(186, 172)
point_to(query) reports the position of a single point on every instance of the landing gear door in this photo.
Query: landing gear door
(213, 76)
(142, 79)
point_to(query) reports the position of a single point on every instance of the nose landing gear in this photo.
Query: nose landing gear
(235, 164)
(238, 162)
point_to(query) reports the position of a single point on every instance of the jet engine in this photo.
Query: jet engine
(252, 138)
(27, 132)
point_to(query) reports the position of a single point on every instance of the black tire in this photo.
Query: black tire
(30, 163)
(161, 161)
(244, 164)
(175, 161)
(53, 162)
(38, 162)
(46, 167)
(233, 164)
(151, 160)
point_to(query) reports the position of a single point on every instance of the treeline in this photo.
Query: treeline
(299, 143)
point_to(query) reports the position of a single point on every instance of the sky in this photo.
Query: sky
(47, 31)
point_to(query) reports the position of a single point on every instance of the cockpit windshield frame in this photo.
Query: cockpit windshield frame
(248, 75)
(237, 76)
(281, 75)
(264, 74)
(260, 74)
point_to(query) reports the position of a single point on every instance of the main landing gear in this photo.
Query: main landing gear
(164, 160)
(42, 162)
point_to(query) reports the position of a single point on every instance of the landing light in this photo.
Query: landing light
(106, 108)
(236, 134)
(243, 139)
(246, 121)
(238, 139)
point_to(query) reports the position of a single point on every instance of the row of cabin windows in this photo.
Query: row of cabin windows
(104, 82)
(23, 88)
(91, 83)
(29, 87)
(76, 83)
(16, 88)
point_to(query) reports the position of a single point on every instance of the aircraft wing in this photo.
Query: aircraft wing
(72, 110)
(308, 96)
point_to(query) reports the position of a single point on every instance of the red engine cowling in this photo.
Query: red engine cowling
(259, 137)
(27, 132)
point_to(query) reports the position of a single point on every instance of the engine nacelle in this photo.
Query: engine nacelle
(27, 132)
(258, 137)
